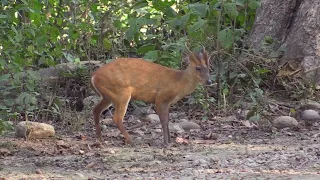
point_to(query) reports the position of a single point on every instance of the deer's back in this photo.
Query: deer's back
(143, 79)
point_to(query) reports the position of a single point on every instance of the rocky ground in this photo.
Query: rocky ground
(220, 149)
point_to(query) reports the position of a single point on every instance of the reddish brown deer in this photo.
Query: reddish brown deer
(126, 79)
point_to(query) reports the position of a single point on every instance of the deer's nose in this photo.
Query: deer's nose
(208, 82)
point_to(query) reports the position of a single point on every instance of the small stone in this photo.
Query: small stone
(89, 154)
(38, 171)
(109, 151)
(104, 127)
(62, 144)
(310, 116)
(158, 130)
(285, 122)
(112, 152)
(81, 151)
(80, 175)
(186, 125)
(91, 165)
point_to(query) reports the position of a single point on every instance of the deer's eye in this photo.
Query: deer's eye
(198, 68)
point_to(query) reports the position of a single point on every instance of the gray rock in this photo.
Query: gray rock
(51, 75)
(108, 122)
(182, 120)
(242, 114)
(187, 125)
(158, 130)
(173, 127)
(34, 130)
(284, 122)
(309, 104)
(143, 110)
(152, 118)
(200, 162)
(104, 127)
(90, 101)
(54, 71)
(310, 116)
(177, 115)
(246, 105)
(79, 175)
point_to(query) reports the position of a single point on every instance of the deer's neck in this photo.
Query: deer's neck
(187, 83)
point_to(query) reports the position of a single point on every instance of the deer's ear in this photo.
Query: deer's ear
(185, 58)
(194, 58)
(204, 56)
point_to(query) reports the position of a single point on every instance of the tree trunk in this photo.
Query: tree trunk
(295, 25)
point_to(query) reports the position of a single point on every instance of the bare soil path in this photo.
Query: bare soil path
(238, 153)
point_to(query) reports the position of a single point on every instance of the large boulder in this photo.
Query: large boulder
(51, 74)
(295, 28)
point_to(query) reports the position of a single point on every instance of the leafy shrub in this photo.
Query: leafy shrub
(36, 34)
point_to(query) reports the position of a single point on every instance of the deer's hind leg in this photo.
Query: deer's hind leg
(121, 104)
(104, 104)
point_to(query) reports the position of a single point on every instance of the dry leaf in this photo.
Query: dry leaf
(96, 144)
(212, 136)
(247, 124)
(201, 141)
(38, 171)
(88, 154)
(62, 144)
(91, 165)
(181, 140)
(289, 69)
(114, 133)
(4, 152)
(110, 151)
(82, 137)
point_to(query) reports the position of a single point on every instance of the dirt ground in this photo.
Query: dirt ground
(218, 151)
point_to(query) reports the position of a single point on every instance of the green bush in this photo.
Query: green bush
(36, 34)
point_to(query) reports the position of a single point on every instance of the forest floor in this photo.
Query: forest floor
(219, 151)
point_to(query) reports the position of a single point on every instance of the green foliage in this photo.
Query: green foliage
(200, 98)
(36, 34)
(5, 126)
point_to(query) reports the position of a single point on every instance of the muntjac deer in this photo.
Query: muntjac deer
(126, 79)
